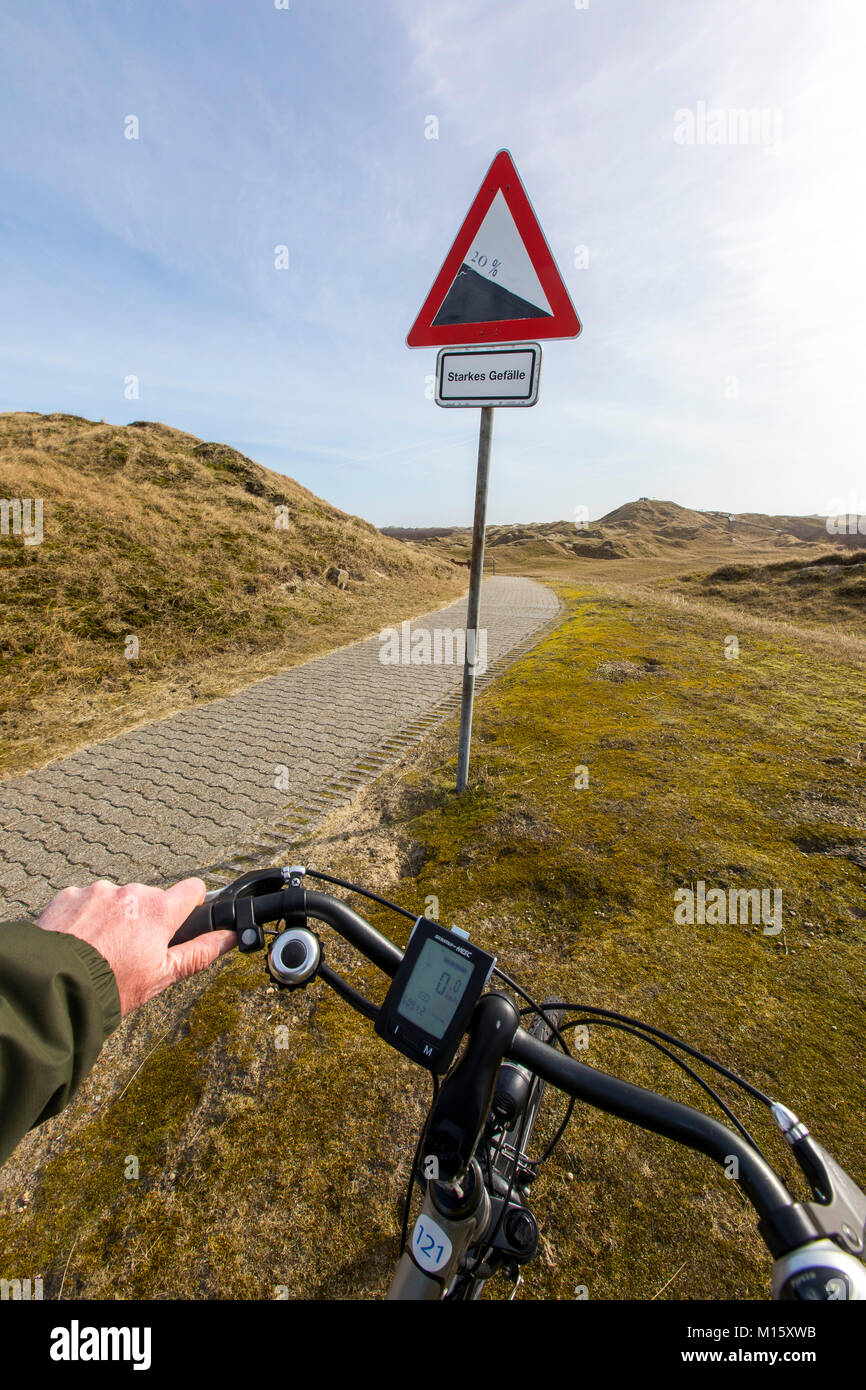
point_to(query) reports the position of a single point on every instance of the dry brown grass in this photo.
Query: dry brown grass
(151, 533)
(831, 640)
(828, 590)
(786, 590)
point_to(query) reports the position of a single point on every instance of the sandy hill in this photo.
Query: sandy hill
(220, 569)
(645, 529)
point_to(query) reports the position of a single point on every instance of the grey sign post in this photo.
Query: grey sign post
(485, 377)
(473, 609)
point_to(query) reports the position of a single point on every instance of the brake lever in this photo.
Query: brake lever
(840, 1208)
(222, 910)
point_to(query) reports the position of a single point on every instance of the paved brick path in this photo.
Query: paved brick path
(179, 795)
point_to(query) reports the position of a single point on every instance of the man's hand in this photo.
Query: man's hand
(131, 927)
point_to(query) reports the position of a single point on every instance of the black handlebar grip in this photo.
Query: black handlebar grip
(197, 923)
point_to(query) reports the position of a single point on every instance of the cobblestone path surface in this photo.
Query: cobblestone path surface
(199, 791)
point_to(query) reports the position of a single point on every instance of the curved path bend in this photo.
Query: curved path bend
(237, 779)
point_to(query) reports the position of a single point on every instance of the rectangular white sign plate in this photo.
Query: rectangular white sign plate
(506, 375)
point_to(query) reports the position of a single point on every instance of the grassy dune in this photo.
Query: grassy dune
(828, 590)
(152, 534)
(637, 540)
(263, 1168)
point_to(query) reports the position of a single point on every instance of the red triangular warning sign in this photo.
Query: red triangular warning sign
(499, 281)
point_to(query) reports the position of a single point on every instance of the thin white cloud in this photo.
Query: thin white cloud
(711, 271)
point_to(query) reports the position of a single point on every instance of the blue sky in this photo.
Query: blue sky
(721, 360)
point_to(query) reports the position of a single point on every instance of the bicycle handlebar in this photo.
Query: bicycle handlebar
(786, 1226)
(198, 923)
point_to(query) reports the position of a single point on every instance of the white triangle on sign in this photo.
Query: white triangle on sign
(498, 253)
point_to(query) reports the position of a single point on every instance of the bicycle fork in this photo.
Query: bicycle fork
(450, 1220)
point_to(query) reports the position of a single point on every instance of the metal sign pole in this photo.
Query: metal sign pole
(474, 605)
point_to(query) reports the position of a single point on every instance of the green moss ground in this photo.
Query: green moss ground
(263, 1168)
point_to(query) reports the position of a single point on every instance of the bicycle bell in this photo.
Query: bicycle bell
(294, 957)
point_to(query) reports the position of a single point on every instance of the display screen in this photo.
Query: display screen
(434, 988)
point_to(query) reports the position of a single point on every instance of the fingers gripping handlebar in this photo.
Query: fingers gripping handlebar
(198, 923)
(219, 912)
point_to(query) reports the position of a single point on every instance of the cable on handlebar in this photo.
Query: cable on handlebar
(364, 892)
(413, 1171)
(677, 1042)
(542, 1012)
(490, 1242)
(635, 1032)
(641, 1030)
(535, 1008)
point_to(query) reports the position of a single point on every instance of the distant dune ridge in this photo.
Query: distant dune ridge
(644, 528)
(784, 568)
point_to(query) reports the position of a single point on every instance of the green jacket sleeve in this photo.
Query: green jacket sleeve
(58, 1003)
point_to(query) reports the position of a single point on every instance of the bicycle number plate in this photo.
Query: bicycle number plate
(431, 1248)
(430, 1002)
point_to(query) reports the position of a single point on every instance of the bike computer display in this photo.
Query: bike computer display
(431, 998)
